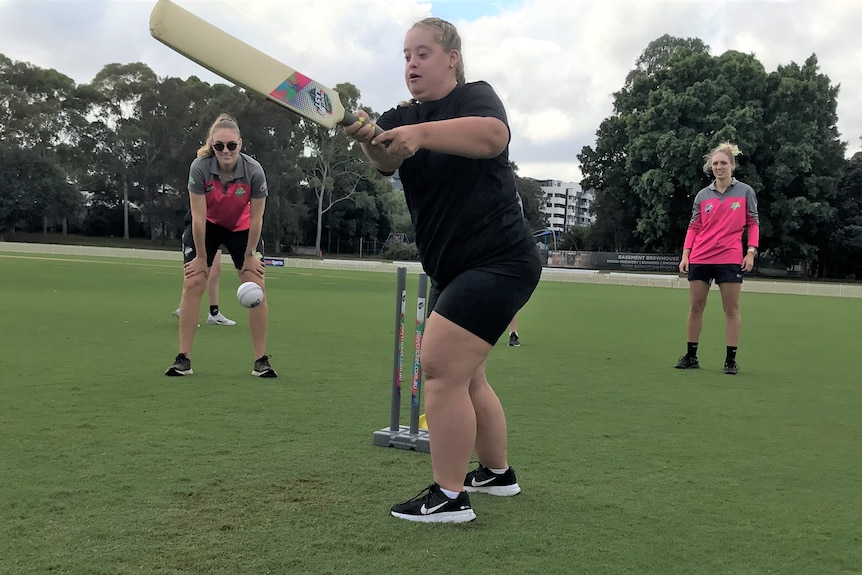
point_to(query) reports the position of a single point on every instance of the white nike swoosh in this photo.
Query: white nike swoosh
(425, 511)
(483, 482)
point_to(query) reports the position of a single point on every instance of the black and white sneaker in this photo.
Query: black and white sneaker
(182, 366)
(514, 340)
(731, 367)
(431, 505)
(483, 480)
(262, 368)
(687, 362)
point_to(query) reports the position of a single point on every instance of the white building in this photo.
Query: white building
(567, 205)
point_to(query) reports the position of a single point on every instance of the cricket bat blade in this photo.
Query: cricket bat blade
(246, 66)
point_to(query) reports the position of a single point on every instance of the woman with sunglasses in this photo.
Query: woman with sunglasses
(227, 196)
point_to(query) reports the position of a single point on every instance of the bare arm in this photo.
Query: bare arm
(257, 207)
(363, 132)
(376, 154)
(470, 137)
(251, 263)
(198, 206)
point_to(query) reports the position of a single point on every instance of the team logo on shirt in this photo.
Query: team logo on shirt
(735, 205)
(240, 191)
(708, 208)
(210, 187)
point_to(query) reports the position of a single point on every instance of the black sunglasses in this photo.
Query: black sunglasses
(219, 146)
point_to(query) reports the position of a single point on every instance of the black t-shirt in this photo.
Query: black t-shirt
(465, 212)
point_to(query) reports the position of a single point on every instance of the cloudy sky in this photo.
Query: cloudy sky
(555, 63)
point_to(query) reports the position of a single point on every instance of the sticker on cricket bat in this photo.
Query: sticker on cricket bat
(298, 91)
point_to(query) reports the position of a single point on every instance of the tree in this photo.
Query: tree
(33, 189)
(844, 254)
(38, 107)
(393, 206)
(678, 103)
(803, 163)
(122, 145)
(274, 137)
(578, 238)
(333, 165)
(41, 115)
(616, 207)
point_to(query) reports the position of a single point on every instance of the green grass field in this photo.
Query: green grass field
(627, 465)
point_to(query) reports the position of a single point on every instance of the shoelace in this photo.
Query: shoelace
(426, 492)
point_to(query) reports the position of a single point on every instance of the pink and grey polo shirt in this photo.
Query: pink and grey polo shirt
(717, 221)
(228, 203)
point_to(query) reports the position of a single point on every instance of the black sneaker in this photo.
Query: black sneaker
(483, 480)
(687, 362)
(730, 367)
(513, 340)
(182, 366)
(262, 368)
(432, 506)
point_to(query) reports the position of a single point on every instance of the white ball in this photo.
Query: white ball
(249, 294)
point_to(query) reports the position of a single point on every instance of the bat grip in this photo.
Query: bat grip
(351, 118)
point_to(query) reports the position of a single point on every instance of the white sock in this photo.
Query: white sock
(498, 471)
(450, 494)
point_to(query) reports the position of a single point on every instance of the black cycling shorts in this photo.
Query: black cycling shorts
(484, 300)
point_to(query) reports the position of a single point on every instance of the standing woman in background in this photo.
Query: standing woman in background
(227, 196)
(713, 251)
(450, 145)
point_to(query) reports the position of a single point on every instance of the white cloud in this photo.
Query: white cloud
(555, 64)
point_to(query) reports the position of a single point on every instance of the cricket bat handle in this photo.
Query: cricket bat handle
(351, 118)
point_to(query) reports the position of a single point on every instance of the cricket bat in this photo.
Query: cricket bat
(246, 66)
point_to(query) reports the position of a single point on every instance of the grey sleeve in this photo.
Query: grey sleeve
(751, 203)
(695, 209)
(258, 183)
(197, 178)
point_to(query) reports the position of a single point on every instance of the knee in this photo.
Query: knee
(249, 276)
(195, 285)
(696, 308)
(436, 366)
(432, 369)
(732, 312)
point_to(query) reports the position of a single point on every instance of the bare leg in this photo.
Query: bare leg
(513, 325)
(491, 436)
(258, 317)
(451, 356)
(190, 306)
(214, 279)
(733, 319)
(698, 292)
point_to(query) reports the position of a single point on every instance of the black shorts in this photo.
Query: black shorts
(484, 300)
(721, 273)
(216, 237)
